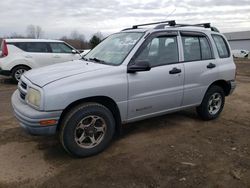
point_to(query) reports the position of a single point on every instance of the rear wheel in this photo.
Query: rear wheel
(212, 103)
(87, 129)
(18, 71)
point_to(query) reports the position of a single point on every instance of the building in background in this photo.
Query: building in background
(239, 40)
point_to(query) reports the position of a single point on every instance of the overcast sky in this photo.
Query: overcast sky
(59, 17)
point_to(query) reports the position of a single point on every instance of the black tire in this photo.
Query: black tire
(15, 71)
(72, 119)
(203, 109)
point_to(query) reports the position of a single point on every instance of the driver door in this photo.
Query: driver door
(62, 53)
(160, 89)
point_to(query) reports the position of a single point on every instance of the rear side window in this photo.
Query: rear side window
(60, 48)
(196, 48)
(35, 47)
(206, 52)
(221, 45)
(40, 47)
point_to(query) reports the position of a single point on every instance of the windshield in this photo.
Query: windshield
(114, 49)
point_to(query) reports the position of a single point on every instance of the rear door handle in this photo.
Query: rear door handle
(175, 71)
(211, 66)
(56, 56)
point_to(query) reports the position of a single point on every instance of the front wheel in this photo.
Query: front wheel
(87, 129)
(212, 103)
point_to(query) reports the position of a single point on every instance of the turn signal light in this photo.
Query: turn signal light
(48, 122)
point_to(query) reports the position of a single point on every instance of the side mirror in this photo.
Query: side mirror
(74, 52)
(139, 66)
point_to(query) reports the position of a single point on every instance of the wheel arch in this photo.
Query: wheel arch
(223, 84)
(19, 65)
(104, 100)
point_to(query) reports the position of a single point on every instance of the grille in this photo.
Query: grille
(22, 89)
(22, 95)
(23, 85)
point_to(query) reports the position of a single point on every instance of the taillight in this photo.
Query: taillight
(4, 49)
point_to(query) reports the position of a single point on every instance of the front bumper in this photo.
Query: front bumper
(5, 72)
(30, 118)
(233, 86)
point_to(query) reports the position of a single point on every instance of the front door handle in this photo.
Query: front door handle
(56, 56)
(175, 71)
(211, 66)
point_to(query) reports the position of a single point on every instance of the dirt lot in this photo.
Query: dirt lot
(176, 150)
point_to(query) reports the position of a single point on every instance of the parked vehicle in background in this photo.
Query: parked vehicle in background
(240, 53)
(20, 55)
(85, 52)
(132, 75)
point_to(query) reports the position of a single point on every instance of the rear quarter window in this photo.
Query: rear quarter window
(20, 45)
(222, 46)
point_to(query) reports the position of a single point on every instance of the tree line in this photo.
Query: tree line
(75, 39)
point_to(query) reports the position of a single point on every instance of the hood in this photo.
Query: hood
(45, 75)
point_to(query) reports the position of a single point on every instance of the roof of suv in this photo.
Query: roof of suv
(171, 25)
(195, 29)
(31, 40)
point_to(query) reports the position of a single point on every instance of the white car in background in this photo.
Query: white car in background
(240, 53)
(20, 55)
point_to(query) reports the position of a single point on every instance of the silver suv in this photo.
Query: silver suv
(132, 75)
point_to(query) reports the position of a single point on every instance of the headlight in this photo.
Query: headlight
(34, 97)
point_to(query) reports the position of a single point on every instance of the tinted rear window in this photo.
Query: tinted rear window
(20, 45)
(38, 47)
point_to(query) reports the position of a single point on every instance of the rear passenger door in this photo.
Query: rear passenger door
(61, 52)
(160, 89)
(38, 53)
(201, 69)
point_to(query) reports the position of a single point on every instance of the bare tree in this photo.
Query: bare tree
(16, 35)
(31, 31)
(39, 32)
(75, 35)
(35, 32)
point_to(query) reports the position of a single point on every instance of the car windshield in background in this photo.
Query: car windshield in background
(115, 48)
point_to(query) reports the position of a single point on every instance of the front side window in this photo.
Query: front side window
(196, 48)
(221, 45)
(115, 48)
(161, 50)
(40, 47)
(60, 48)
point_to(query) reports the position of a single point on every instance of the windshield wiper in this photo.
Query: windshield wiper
(98, 60)
(84, 58)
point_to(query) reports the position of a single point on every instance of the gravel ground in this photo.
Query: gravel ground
(176, 150)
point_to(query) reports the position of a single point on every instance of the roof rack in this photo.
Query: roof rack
(172, 23)
(166, 23)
